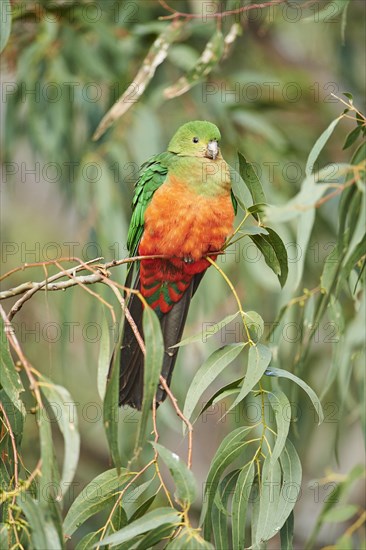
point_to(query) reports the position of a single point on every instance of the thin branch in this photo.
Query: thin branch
(13, 444)
(156, 439)
(18, 305)
(42, 264)
(219, 15)
(185, 420)
(120, 496)
(100, 273)
(10, 334)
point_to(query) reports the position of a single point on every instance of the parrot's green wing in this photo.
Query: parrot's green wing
(153, 176)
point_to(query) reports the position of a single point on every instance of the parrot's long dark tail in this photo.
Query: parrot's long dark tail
(131, 381)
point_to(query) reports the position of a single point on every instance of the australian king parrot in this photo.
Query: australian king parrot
(183, 209)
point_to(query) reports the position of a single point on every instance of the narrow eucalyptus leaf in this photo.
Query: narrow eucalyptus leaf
(94, 497)
(208, 330)
(259, 359)
(186, 488)
(240, 505)
(152, 368)
(152, 520)
(208, 372)
(272, 371)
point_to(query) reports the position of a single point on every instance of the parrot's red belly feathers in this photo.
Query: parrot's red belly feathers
(185, 226)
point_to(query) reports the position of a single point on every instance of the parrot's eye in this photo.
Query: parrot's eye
(195, 140)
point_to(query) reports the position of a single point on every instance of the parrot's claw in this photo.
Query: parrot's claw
(188, 259)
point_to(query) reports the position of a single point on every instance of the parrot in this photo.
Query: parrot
(183, 208)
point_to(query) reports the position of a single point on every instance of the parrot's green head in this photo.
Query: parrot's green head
(196, 139)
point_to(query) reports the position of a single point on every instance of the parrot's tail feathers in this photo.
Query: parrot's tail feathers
(131, 378)
(132, 358)
(172, 326)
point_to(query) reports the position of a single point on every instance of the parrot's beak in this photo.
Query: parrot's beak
(212, 149)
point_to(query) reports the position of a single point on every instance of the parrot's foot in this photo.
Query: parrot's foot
(188, 259)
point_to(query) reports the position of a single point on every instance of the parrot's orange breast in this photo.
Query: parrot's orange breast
(179, 222)
(185, 226)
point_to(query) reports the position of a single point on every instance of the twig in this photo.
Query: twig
(13, 444)
(174, 402)
(120, 496)
(231, 286)
(42, 264)
(10, 334)
(104, 302)
(18, 305)
(155, 429)
(99, 275)
(176, 14)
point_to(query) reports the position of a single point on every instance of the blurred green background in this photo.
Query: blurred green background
(63, 194)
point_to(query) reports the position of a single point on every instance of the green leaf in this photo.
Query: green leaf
(5, 23)
(208, 330)
(344, 23)
(318, 146)
(140, 511)
(291, 485)
(239, 189)
(356, 255)
(10, 379)
(340, 513)
(94, 497)
(222, 393)
(269, 500)
(219, 514)
(287, 533)
(240, 504)
(230, 448)
(154, 345)
(255, 500)
(4, 534)
(268, 253)
(253, 230)
(272, 371)
(274, 252)
(43, 532)
(281, 253)
(49, 465)
(151, 520)
(258, 208)
(251, 180)
(65, 412)
(86, 542)
(189, 539)
(186, 488)
(258, 361)
(104, 357)
(325, 15)
(208, 372)
(255, 325)
(155, 536)
(110, 406)
(134, 501)
(331, 266)
(282, 409)
(14, 415)
(352, 136)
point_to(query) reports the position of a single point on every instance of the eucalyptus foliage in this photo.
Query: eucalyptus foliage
(57, 54)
